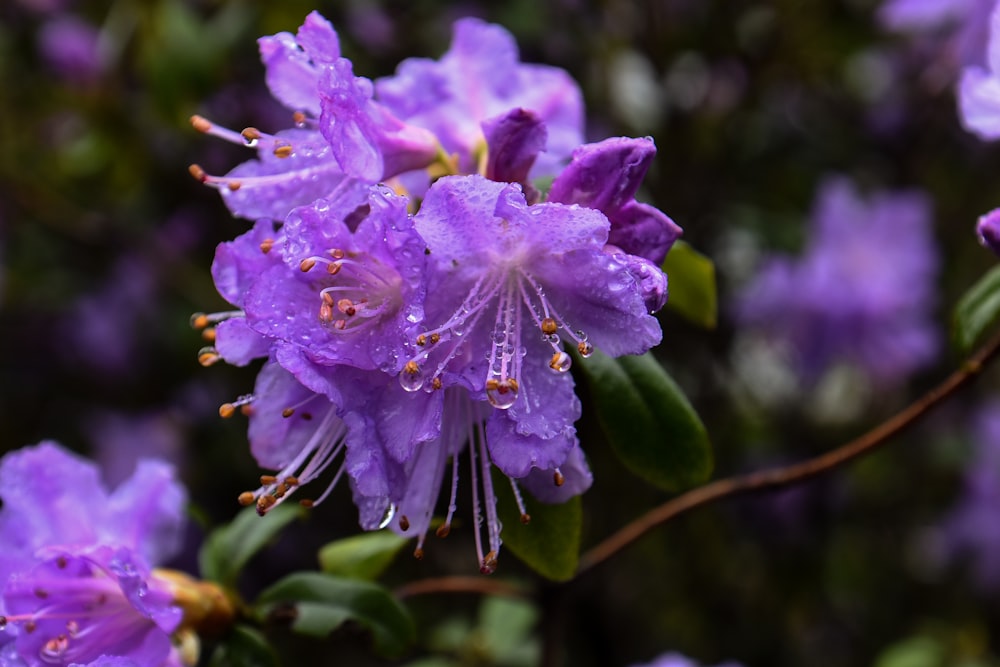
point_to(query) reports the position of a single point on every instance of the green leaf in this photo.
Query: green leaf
(550, 543)
(228, 548)
(977, 310)
(649, 421)
(913, 652)
(363, 556)
(691, 285)
(320, 603)
(244, 646)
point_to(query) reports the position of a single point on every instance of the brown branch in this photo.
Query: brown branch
(481, 585)
(798, 472)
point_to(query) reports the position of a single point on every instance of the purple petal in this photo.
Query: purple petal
(292, 74)
(979, 103)
(516, 454)
(513, 142)
(546, 405)
(238, 343)
(239, 262)
(147, 512)
(576, 476)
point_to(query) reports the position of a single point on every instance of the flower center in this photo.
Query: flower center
(356, 291)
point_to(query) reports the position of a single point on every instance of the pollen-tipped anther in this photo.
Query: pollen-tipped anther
(251, 135)
(266, 245)
(489, 564)
(404, 523)
(287, 412)
(199, 321)
(411, 378)
(267, 480)
(584, 348)
(307, 264)
(246, 498)
(557, 478)
(200, 123)
(208, 356)
(549, 326)
(227, 410)
(198, 173)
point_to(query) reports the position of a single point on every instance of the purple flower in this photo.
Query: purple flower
(988, 230)
(979, 88)
(968, 530)
(965, 21)
(678, 660)
(863, 290)
(481, 77)
(71, 46)
(75, 569)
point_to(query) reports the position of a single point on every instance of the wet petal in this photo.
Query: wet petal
(516, 454)
(576, 477)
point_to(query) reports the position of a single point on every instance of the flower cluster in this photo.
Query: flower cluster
(75, 572)
(411, 288)
(861, 293)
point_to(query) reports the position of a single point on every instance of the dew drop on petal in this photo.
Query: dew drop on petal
(585, 349)
(390, 512)
(411, 378)
(501, 395)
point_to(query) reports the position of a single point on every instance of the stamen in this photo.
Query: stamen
(307, 264)
(208, 356)
(283, 150)
(202, 320)
(525, 517)
(251, 135)
(411, 378)
(266, 245)
(227, 410)
(404, 523)
(246, 498)
(557, 478)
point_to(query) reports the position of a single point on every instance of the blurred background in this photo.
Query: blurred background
(106, 244)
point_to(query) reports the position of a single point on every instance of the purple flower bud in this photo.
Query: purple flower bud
(988, 230)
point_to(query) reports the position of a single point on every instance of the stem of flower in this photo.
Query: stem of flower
(798, 472)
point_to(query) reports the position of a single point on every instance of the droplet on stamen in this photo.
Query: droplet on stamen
(560, 362)
(501, 393)
(251, 135)
(585, 349)
(299, 119)
(411, 378)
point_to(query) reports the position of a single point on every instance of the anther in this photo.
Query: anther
(264, 503)
(307, 264)
(557, 478)
(443, 530)
(549, 326)
(200, 123)
(29, 627)
(489, 565)
(418, 553)
(306, 502)
(325, 313)
(283, 151)
(227, 410)
(61, 562)
(208, 356)
(299, 118)
(404, 523)
(421, 340)
(436, 383)
(292, 480)
(346, 306)
(234, 186)
(584, 348)
(199, 321)
(337, 253)
(435, 337)
(198, 173)
(287, 412)
(208, 335)
(41, 593)
(267, 480)
(251, 134)
(340, 325)
(266, 245)
(246, 498)
(526, 519)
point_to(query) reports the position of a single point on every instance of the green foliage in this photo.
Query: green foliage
(244, 646)
(319, 603)
(228, 549)
(550, 543)
(692, 285)
(977, 310)
(363, 556)
(649, 421)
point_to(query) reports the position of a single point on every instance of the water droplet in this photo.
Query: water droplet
(560, 362)
(411, 378)
(501, 395)
(585, 349)
(458, 328)
(390, 512)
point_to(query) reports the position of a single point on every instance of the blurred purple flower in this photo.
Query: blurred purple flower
(71, 47)
(964, 21)
(122, 440)
(75, 568)
(979, 88)
(968, 531)
(863, 290)
(678, 660)
(988, 231)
